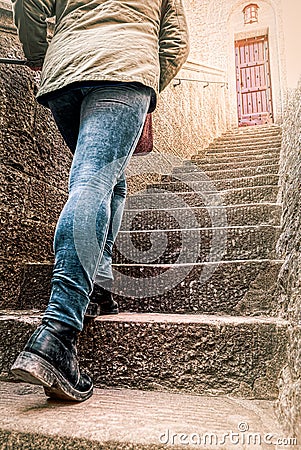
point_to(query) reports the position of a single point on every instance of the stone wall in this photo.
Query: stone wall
(289, 247)
(191, 112)
(34, 165)
(34, 162)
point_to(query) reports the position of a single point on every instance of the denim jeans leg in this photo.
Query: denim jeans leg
(104, 271)
(111, 122)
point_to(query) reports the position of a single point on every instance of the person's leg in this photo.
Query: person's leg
(101, 299)
(65, 109)
(110, 125)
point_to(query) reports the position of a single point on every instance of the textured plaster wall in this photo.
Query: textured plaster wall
(215, 26)
(289, 246)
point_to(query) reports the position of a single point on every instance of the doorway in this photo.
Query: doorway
(253, 81)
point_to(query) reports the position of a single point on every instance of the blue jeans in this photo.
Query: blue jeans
(101, 125)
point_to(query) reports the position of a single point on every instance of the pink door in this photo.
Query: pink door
(253, 80)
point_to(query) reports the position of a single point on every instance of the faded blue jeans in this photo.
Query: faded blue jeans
(101, 125)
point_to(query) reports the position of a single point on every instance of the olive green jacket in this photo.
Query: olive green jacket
(142, 41)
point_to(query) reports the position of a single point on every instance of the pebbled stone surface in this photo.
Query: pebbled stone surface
(220, 288)
(230, 165)
(237, 215)
(195, 245)
(231, 183)
(192, 172)
(175, 289)
(157, 199)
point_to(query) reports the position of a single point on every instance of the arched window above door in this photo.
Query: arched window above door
(251, 13)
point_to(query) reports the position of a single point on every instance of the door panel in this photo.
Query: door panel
(253, 81)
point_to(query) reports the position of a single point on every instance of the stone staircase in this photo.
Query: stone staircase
(195, 277)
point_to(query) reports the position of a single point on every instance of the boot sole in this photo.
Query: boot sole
(33, 369)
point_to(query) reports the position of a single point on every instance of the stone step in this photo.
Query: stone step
(238, 287)
(153, 200)
(246, 143)
(230, 183)
(187, 246)
(230, 165)
(128, 419)
(165, 218)
(184, 353)
(247, 140)
(239, 152)
(232, 287)
(224, 158)
(195, 173)
(254, 131)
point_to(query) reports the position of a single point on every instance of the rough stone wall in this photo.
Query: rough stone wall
(289, 246)
(34, 165)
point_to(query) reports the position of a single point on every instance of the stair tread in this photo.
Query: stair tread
(258, 227)
(247, 205)
(252, 177)
(199, 264)
(150, 194)
(32, 316)
(124, 418)
(187, 171)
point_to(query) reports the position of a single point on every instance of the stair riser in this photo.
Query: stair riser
(183, 173)
(230, 165)
(249, 139)
(232, 154)
(198, 199)
(203, 358)
(168, 219)
(252, 133)
(198, 359)
(245, 146)
(237, 288)
(177, 186)
(190, 246)
(229, 159)
(234, 288)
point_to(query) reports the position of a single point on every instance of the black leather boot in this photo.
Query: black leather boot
(50, 359)
(101, 302)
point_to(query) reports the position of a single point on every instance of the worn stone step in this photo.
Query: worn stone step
(230, 183)
(230, 165)
(197, 354)
(232, 287)
(224, 158)
(277, 138)
(246, 144)
(239, 152)
(254, 131)
(242, 287)
(158, 200)
(165, 218)
(194, 173)
(128, 419)
(186, 246)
